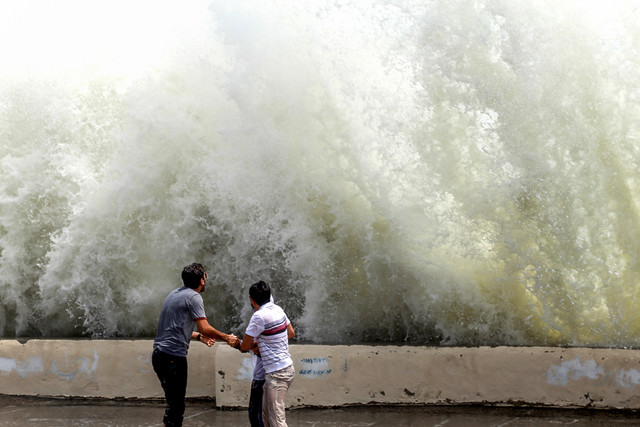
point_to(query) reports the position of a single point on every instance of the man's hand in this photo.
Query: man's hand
(233, 340)
(208, 341)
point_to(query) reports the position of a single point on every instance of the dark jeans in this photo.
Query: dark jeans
(172, 373)
(255, 403)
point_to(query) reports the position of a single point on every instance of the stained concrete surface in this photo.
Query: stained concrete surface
(334, 375)
(20, 411)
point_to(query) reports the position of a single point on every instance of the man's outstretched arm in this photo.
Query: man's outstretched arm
(247, 343)
(206, 329)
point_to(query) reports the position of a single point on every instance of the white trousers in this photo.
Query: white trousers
(275, 393)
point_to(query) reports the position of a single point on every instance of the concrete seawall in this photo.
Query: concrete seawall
(335, 375)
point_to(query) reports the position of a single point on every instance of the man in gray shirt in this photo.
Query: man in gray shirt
(182, 310)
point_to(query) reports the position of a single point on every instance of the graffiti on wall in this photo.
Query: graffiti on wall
(576, 370)
(314, 367)
(67, 369)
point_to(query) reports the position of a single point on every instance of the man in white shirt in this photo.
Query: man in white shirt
(257, 383)
(271, 329)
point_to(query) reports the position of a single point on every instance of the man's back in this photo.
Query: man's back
(177, 321)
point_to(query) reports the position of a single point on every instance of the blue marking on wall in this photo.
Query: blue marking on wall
(314, 367)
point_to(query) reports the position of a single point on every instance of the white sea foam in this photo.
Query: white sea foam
(442, 172)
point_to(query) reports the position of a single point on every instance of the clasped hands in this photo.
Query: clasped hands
(236, 342)
(233, 340)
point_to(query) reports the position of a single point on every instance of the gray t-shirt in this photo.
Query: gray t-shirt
(180, 310)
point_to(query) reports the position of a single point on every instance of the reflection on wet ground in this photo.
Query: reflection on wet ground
(21, 411)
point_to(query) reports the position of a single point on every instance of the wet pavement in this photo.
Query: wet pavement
(25, 412)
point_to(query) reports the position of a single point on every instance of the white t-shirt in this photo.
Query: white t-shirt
(258, 367)
(268, 325)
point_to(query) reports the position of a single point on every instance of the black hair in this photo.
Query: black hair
(192, 274)
(260, 292)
